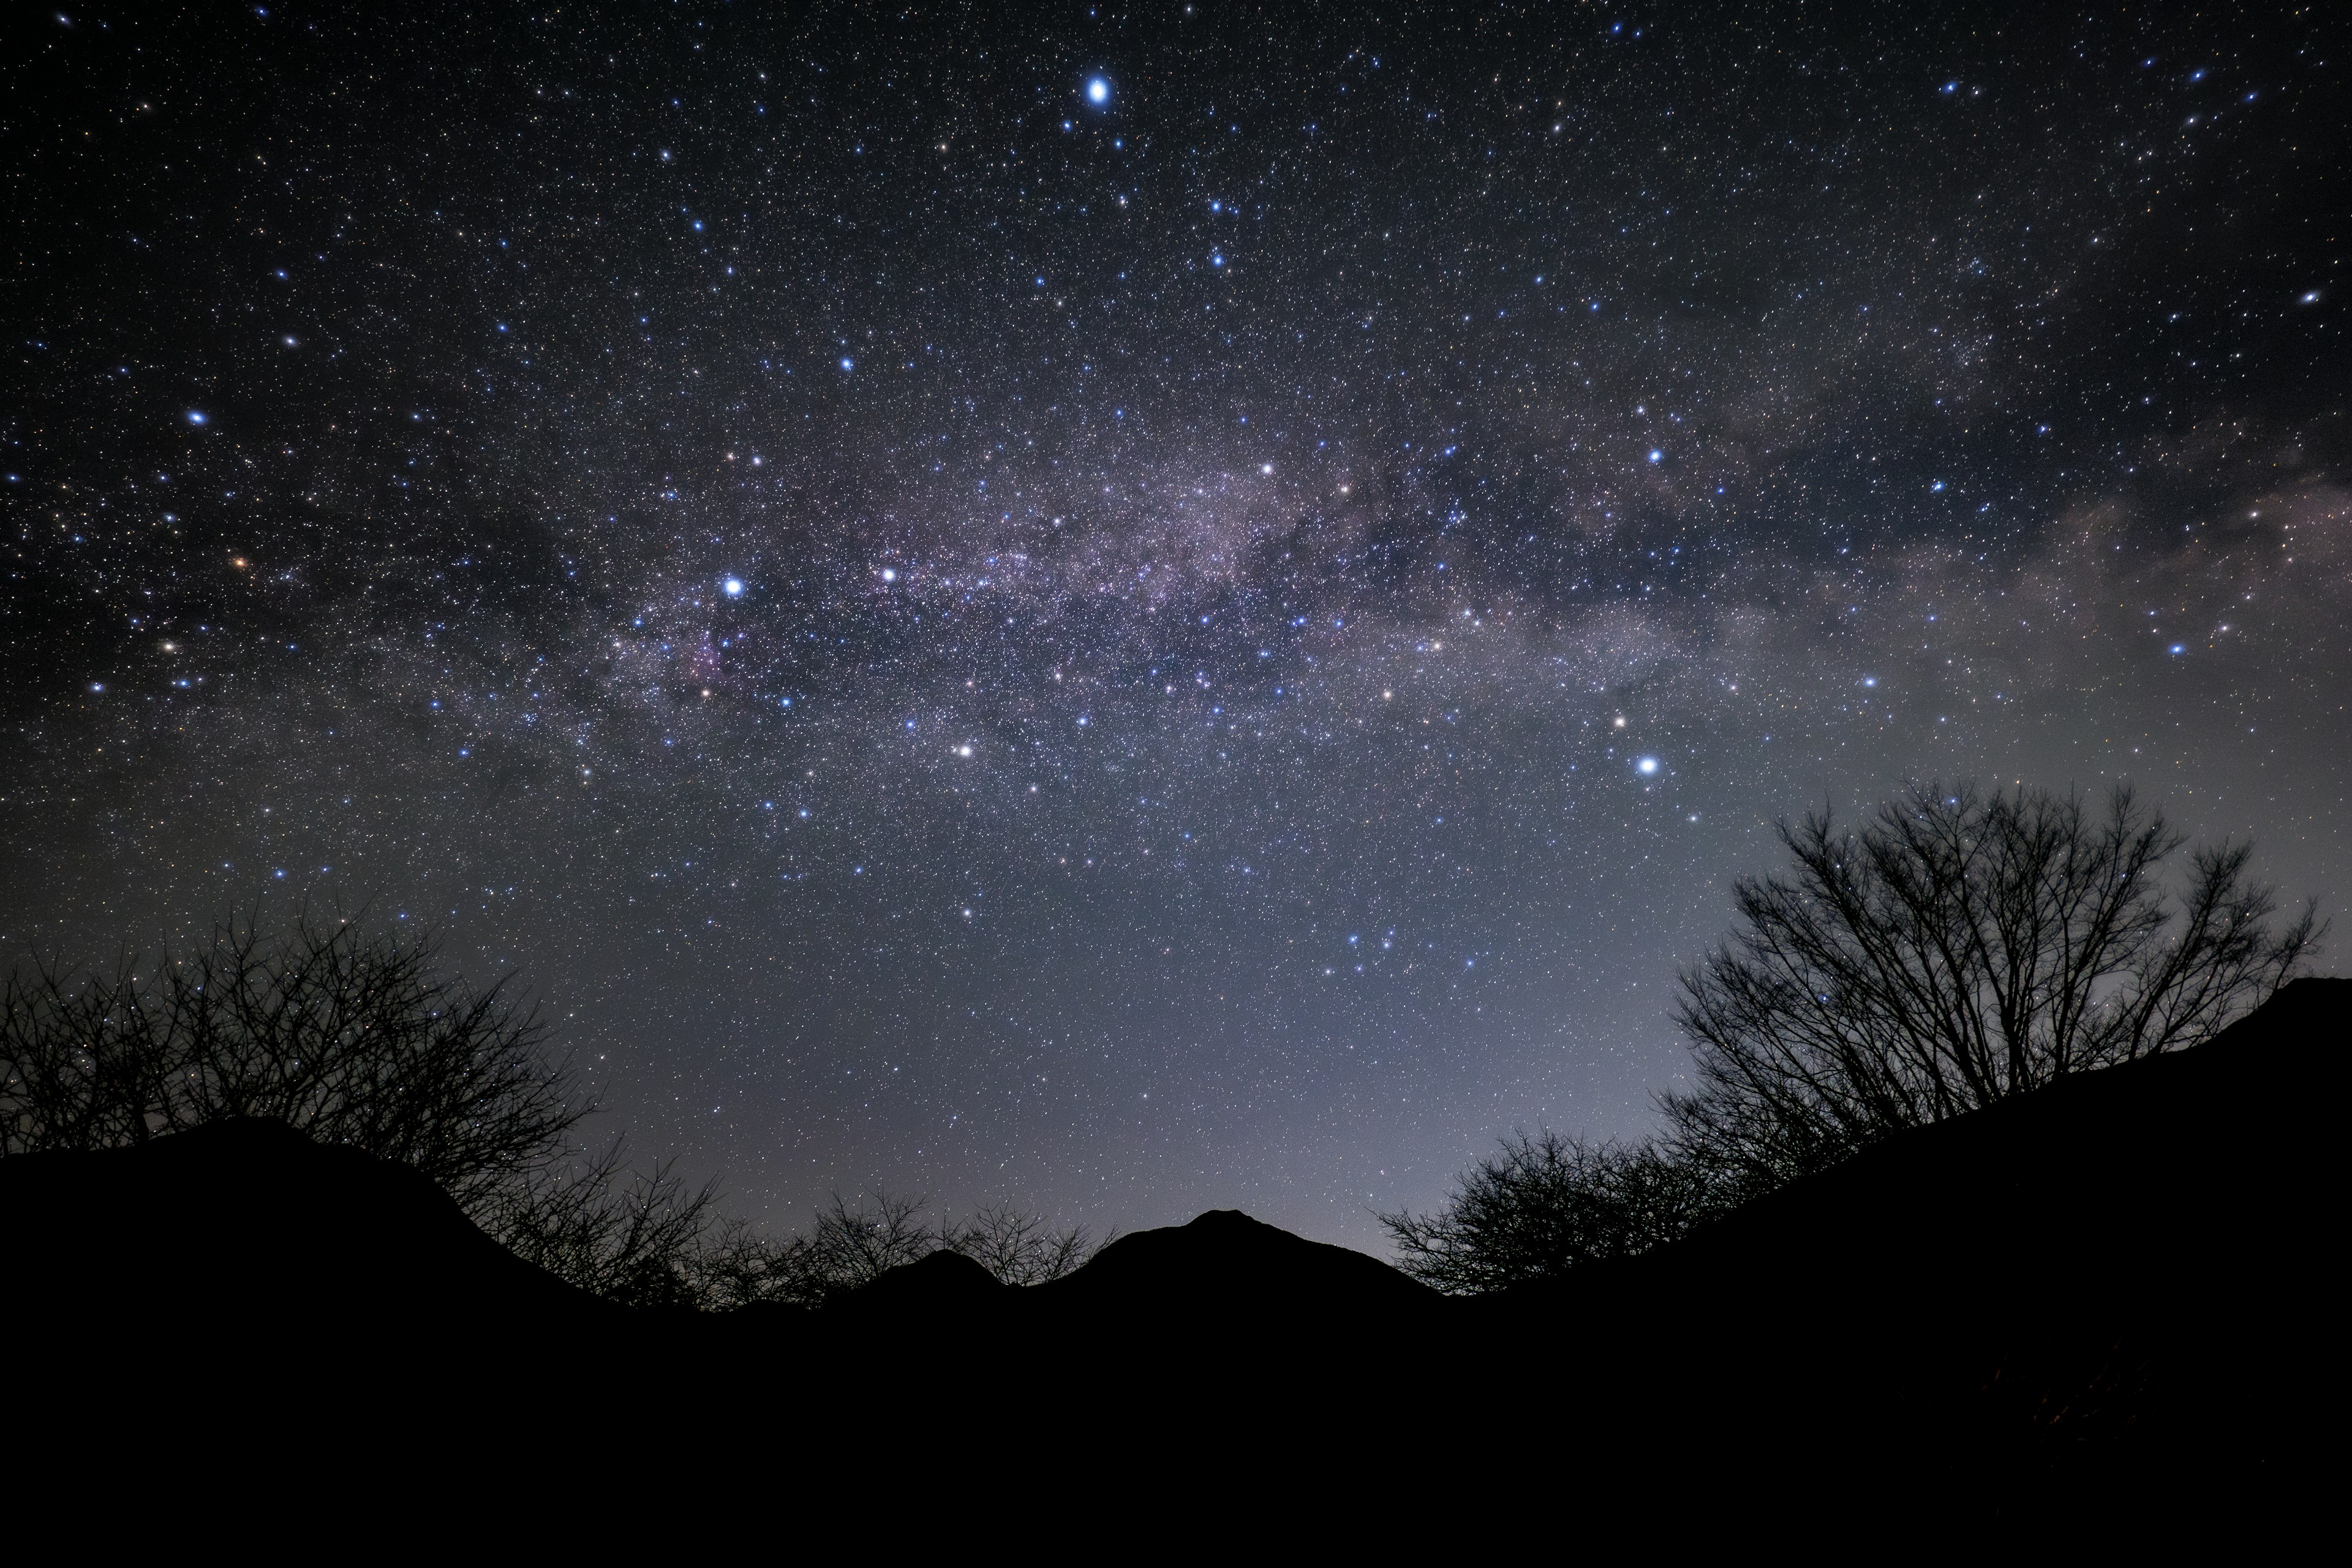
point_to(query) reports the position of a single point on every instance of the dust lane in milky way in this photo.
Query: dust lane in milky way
(1140, 610)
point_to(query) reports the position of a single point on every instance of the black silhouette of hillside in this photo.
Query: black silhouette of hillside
(2116, 1285)
(248, 1227)
(2113, 1294)
(1222, 1277)
(1226, 1264)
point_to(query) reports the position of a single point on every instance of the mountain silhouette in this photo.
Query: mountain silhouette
(2115, 1284)
(1226, 1270)
(2115, 1289)
(246, 1223)
(945, 1285)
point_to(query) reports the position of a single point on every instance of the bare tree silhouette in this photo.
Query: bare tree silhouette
(1543, 1204)
(1961, 948)
(1020, 1247)
(643, 1238)
(732, 1266)
(856, 1245)
(850, 1246)
(350, 1038)
(359, 1039)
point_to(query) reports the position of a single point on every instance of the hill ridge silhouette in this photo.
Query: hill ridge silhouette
(249, 1216)
(2111, 1286)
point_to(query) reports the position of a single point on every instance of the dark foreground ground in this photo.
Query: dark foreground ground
(2108, 1306)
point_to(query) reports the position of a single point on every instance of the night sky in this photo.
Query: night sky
(1140, 609)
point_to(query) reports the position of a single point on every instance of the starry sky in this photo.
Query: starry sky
(1133, 609)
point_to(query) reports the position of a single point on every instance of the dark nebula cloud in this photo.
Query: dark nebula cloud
(1211, 639)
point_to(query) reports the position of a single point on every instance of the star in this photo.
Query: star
(1214, 724)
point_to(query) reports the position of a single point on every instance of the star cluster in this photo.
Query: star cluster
(1134, 608)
